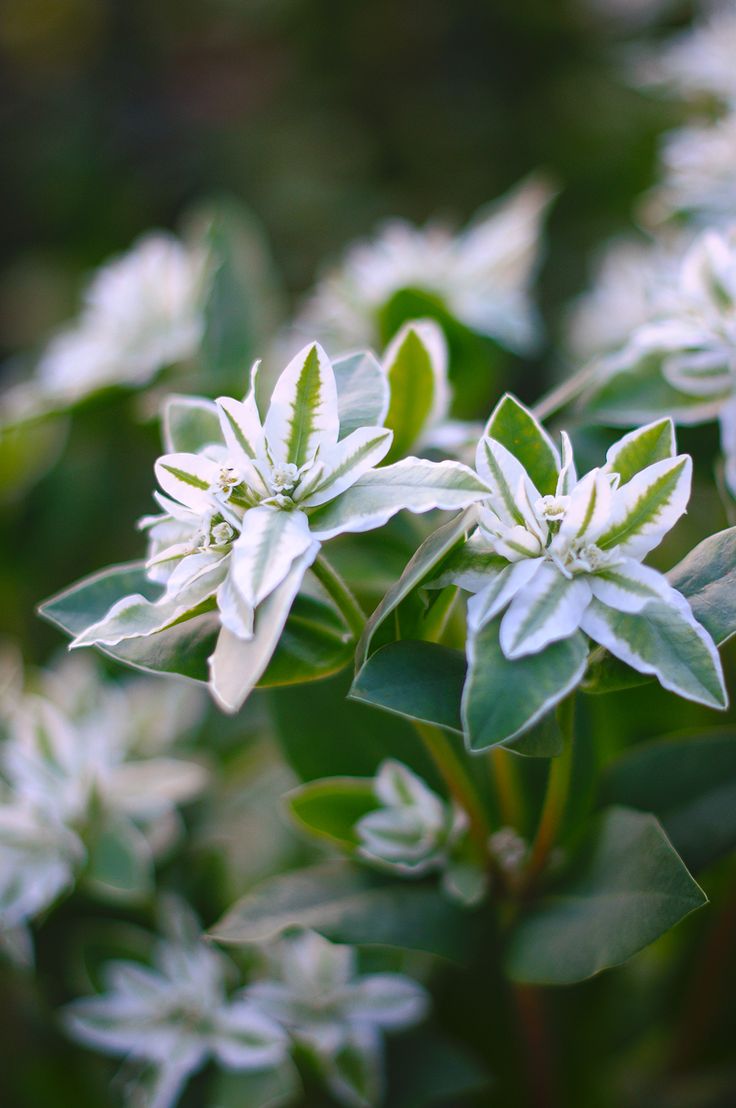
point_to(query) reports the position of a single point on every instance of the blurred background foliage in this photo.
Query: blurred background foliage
(322, 117)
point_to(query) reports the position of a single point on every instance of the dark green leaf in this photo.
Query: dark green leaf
(420, 680)
(329, 809)
(623, 888)
(516, 428)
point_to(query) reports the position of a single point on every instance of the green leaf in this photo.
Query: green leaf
(425, 562)
(270, 1088)
(623, 888)
(314, 644)
(415, 365)
(362, 392)
(519, 431)
(329, 809)
(189, 424)
(706, 577)
(421, 680)
(350, 905)
(120, 864)
(425, 1069)
(245, 302)
(642, 448)
(689, 783)
(503, 698)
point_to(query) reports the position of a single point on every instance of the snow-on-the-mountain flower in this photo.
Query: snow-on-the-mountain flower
(690, 341)
(554, 554)
(698, 175)
(244, 519)
(698, 61)
(413, 831)
(70, 772)
(316, 992)
(168, 1020)
(482, 274)
(142, 311)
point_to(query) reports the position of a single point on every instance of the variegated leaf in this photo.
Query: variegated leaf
(344, 464)
(648, 506)
(549, 608)
(303, 412)
(267, 546)
(516, 428)
(641, 448)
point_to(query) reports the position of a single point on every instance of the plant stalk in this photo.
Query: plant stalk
(564, 393)
(459, 782)
(339, 591)
(555, 801)
(503, 775)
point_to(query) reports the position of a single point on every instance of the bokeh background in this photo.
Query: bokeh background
(322, 117)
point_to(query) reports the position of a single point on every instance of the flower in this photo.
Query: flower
(317, 994)
(691, 343)
(245, 518)
(697, 61)
(554, 554)
(141, 312)
(699, 173)
(174, 1017)
(70, 772)
(481, 275)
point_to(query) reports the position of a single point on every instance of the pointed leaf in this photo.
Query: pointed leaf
(329, 809)
(190, 423)
(303, 411)
(344, 464)
(362, 392)
(503, 698)
(624, 888)
(416, 367)
(648, 506)
(516, 428)
(547, 609)
(641, 448)
(271, 540)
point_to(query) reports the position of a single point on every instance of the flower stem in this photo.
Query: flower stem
(503, 775)
(459, 782)
(562, 394)
(558, 788)
(333, 583)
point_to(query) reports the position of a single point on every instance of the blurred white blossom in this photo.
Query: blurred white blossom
(168, 1020)
(482, 274)
(142, 311)
(698, 174)
(698, 61)
(318, 995)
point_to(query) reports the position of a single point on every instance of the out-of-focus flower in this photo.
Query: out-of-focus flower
(70, 771)
(698, 174)
(141, 312)
(169, 1020)
(633, 279)
(697, 61)
(317, 994)
(481, 275)
(245, 518)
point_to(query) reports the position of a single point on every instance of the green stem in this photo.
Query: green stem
(333, 583)
(565, 392)
(558, 788)
(459, 782)
(503, 775)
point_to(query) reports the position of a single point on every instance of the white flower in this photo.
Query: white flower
(481, 274)
(246, 517)
(633, 278)
(699, 60)
(699, 173)
(692, 337)
(141, 312)
(39, 858)
(566, 555)
(318, 995)
(175, 1017)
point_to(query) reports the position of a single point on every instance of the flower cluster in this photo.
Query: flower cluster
(169, 1020)
(481, 275)
(554, 554)
(82, 762)
(244, 518)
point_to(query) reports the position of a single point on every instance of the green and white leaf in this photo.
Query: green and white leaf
(648, 506)
(362, 392)
(641, 448)
(516, 428)
(415, 365)
(268, 545)
(303, 413)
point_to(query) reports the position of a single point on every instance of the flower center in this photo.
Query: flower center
(552, 507)
(227, 479)
(284, 477)
(586, 557)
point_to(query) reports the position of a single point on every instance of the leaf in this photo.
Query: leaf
(427, 559)
(270, 1088)
(706, 577)
(641, 448)
(420, 680)
(416, 367)
(329, 809)
(689, 783)
(362, 392)
(303, 415)
(189, 424)
(264, 552)
(120, 864)
(425, 1068)
(414, 484)
(349, 905)
(648, 506)
(504, 698)
(666, 641)
(623, 888)
(516, 428)
(315, 643)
